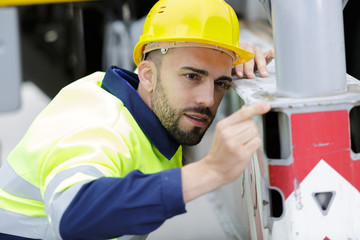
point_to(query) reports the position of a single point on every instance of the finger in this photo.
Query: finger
(247, 112)
(241, 132)
(253, 145)
(249, 69)
(269, 56)
(239, 70)
(261, 62)
(244, 135)
(249, 66)
(248, 149)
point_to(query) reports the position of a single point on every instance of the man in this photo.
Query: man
(104, 159)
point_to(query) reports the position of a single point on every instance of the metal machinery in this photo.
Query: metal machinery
(10, 67)
(10, 56)
(10, 64)
(304, 183)
(6, 3)
(69, 39)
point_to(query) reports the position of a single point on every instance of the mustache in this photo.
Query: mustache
(201, 110)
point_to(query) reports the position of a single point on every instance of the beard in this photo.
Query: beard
(170, 117)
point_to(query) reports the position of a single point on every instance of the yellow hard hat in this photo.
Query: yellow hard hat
(179, 23)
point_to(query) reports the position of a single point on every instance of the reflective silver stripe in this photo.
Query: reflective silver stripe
(61, 176)
(59, 204)
(137, 237)
(55, 206)
(14, 184)
(24, 226)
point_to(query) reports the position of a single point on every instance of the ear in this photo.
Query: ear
(147, 73)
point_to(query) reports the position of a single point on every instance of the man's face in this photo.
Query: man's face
(188, 90)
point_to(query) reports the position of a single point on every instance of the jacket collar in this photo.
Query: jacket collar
(123, 84)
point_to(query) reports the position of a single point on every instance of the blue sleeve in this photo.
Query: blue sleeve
(134, 205)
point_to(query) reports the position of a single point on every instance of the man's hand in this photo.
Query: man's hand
(236, 139)
(259, 62)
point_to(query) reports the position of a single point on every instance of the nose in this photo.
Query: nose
(205, 94)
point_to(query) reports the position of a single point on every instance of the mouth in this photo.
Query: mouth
(198, 120)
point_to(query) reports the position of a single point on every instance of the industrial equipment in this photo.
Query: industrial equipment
(10, 64)
(304, 182)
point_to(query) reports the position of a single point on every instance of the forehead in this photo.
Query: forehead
(203, 58)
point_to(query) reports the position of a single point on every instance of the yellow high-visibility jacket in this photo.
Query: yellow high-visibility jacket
(95, 164)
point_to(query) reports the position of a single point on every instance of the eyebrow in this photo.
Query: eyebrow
(206, 73)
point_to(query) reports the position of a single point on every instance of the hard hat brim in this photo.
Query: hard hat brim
(242, 55)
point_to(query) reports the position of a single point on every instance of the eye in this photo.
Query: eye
(223, 84)
(193, 76)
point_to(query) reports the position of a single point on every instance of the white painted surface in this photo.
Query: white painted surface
(305, 220)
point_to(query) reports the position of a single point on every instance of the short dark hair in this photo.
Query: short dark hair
(156, 57)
